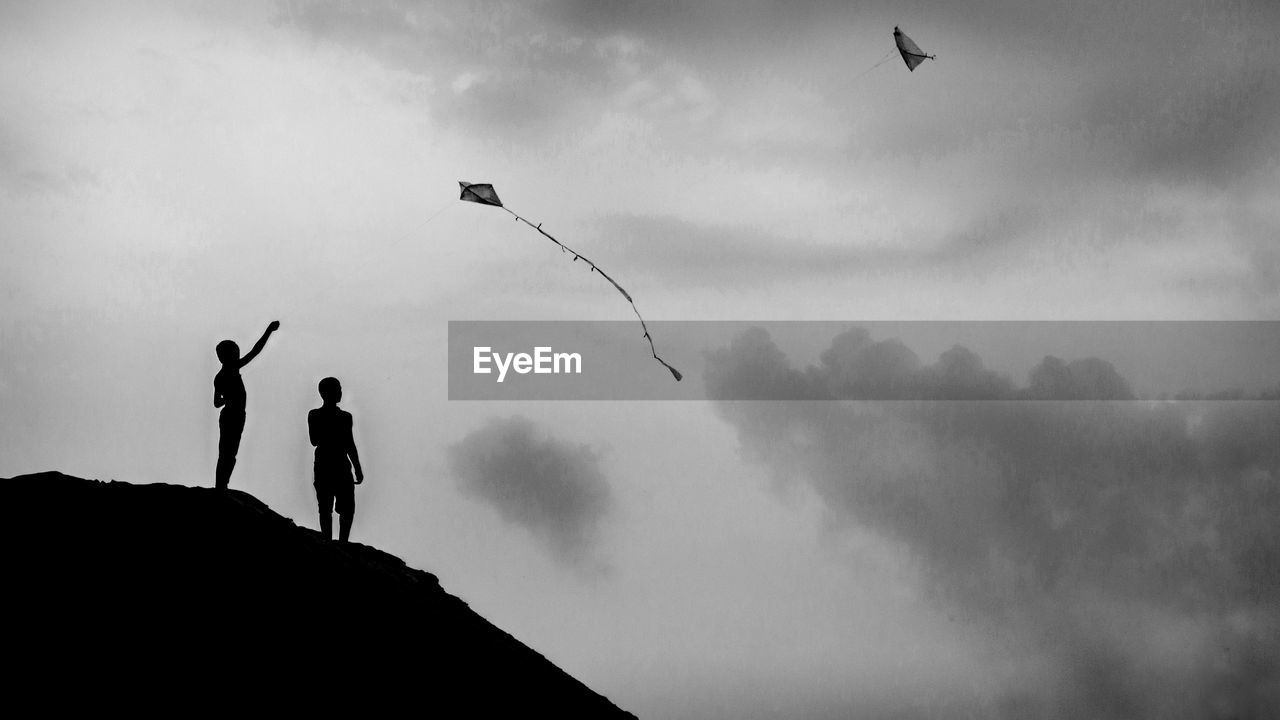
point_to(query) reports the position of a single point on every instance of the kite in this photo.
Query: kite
(912, 55)
(484, 194)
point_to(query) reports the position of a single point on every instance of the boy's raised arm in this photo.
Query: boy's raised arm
(262, 342)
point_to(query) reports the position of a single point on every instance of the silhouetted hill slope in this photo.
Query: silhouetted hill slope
(178, 599)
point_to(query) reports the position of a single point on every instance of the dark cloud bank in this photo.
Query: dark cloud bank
(554, 489)
(855, 367)
(1129, 550)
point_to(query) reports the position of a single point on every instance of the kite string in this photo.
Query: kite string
(418, 227)
(368, 259)
(434, 215)
(880, 62)
(596, 268)
(784, 123)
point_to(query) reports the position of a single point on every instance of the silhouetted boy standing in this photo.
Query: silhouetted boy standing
(228, 394)
(330, 431)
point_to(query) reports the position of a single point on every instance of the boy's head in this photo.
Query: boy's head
(228, 351)
(330, 390)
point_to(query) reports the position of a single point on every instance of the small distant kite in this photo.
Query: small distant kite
(912, 55)
(484, 194)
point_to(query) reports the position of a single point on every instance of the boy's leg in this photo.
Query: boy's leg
(324, 502)
(230, 427)
(346, 507)
(222, 474)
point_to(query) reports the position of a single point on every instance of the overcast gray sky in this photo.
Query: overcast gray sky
(172, 174)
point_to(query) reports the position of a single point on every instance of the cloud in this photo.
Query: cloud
(554, 489)
(1045, 132)
(1087, 379)
(510, 70)
(727, 254)
(1130, 548)
(855, 367)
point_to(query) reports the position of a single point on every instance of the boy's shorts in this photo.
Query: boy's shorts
(230, 428)
(335, 490)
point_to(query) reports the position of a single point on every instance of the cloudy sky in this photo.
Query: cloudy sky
(173, 174)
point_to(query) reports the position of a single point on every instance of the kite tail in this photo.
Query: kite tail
(596, 268)
(674, 372)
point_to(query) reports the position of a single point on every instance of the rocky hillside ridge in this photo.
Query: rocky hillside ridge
(174, 598)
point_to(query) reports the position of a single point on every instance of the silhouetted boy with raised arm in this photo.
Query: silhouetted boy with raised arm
(330, 431)
(228, 394)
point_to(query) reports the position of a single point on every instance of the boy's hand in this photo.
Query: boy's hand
(359, 477)
(262, 342)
